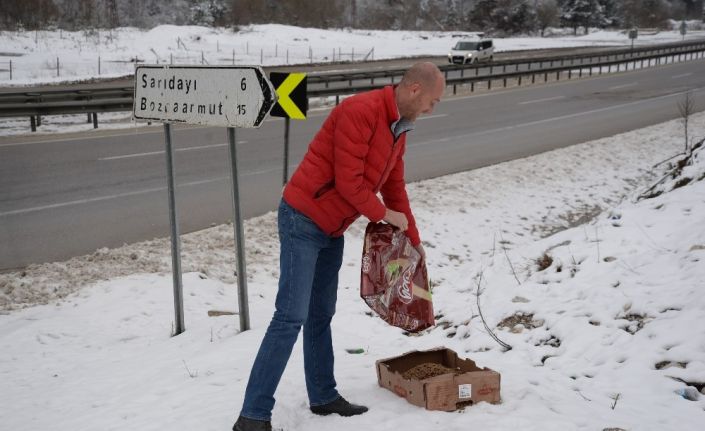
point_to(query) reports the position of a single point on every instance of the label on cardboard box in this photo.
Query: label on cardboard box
(465, 391)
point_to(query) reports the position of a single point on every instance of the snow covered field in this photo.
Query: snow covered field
(604, 337)
(80, 54)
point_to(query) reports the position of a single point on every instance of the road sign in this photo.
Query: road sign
(227, 96)
(684, 28)
(633, 33)
(291, 90)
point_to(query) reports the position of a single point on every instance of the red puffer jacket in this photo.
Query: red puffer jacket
(352, 158)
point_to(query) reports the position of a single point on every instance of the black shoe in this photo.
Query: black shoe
(247, 424)
(339, 406)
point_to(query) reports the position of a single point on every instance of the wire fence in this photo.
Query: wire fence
(61, 67)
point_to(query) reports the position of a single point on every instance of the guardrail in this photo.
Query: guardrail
(577, 70)
(529, 62)
(120, 98)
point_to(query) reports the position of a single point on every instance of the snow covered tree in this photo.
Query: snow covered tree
(576, 13)
(611, 10)
(452, 20)
(209, 12)
(481, 15)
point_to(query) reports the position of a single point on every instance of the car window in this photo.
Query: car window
(466, 46)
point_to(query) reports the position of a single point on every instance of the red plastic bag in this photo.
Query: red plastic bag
(394, 281)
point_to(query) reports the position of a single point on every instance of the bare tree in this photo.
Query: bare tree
(547, 14)
(112, 13)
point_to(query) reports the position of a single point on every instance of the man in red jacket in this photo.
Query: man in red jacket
(357, 153)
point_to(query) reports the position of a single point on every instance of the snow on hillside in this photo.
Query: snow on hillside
(80, 54)
(607, 335)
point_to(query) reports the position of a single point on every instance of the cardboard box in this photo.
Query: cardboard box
(446, 392)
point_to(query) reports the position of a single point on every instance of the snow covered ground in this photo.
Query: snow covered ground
(102, 53)
(604, 337)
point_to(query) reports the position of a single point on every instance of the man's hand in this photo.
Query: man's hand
(421, 251)
(397, 219)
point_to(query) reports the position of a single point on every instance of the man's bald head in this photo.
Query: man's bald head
(425, 73)
(420, 89)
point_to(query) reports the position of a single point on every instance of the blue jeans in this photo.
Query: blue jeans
(308, 286)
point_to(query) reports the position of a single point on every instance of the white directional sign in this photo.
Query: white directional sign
(228, 96)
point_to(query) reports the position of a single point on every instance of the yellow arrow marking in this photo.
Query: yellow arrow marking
(284, 90)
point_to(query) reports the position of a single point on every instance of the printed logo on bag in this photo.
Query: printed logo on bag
(366, 263)
(405, 292)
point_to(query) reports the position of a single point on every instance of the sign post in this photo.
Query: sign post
(239, 236)
(633, 34)
(175, 238)
(226, 96)
(684, 29)
(292, 103)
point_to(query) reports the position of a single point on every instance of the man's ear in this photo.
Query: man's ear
(415, 88)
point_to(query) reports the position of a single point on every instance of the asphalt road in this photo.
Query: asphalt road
(71, 195)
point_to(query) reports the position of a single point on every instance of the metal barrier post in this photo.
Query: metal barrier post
(95, 120)
(33, 123)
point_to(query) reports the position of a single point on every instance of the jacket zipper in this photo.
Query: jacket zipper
(386, 165)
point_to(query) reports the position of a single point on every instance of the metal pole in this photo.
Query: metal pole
(286, 150)
(98, 65)
(10, 70)
(57, 66)
(95, 120)
(239, 236)
(175, 239)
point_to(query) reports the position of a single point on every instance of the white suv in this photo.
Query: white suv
(466, 51)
